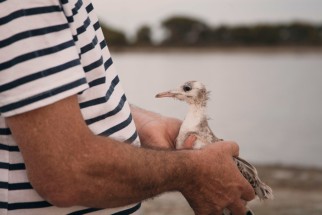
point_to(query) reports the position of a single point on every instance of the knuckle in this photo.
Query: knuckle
(235, 146)
(231, 146)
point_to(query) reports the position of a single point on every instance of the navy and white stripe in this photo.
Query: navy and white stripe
(50, 50)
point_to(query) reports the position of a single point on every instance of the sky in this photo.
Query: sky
(129, 15)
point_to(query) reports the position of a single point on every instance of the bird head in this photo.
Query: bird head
(192, 92)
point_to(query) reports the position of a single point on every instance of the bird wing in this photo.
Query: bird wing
(262, 190)
(247, 166)
(205, 132)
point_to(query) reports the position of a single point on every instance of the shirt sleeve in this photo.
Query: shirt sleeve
(39, 63)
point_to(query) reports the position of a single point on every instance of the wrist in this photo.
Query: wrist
(187, 170)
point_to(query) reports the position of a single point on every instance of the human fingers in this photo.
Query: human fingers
(189, 142)
(248, 192)
(238, 208)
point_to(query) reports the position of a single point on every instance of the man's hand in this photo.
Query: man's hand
(155, 130)
(217, 183)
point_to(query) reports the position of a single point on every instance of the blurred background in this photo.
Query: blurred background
(262, 62)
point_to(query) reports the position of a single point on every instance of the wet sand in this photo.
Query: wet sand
(297, 191)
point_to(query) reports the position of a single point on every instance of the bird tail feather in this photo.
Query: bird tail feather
(263, 191)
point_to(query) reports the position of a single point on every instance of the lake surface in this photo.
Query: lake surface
(269, 102)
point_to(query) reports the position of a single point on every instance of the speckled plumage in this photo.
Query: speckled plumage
(196, 123)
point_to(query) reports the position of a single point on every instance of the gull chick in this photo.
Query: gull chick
(196, 123)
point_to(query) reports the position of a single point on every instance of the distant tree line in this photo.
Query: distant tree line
(191, 32)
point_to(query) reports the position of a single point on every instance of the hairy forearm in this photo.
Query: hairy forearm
(120, 174)
(68, 165)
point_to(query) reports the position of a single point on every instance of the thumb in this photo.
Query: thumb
(189, 142)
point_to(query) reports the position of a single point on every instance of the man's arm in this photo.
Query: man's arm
(68, 165)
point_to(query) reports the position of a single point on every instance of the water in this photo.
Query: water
(269, 102)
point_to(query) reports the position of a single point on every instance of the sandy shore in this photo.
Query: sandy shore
(298, 191)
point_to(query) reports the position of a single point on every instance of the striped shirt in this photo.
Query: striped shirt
(50, 50)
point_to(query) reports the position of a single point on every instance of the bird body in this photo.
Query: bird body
(196, 123)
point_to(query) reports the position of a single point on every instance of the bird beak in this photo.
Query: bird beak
(167, 94)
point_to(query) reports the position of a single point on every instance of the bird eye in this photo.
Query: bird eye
(186, 88)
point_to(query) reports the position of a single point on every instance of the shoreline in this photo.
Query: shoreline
(297, 191)
(291, 177)
(252, 49)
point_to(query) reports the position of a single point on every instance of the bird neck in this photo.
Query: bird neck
(196, 113)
